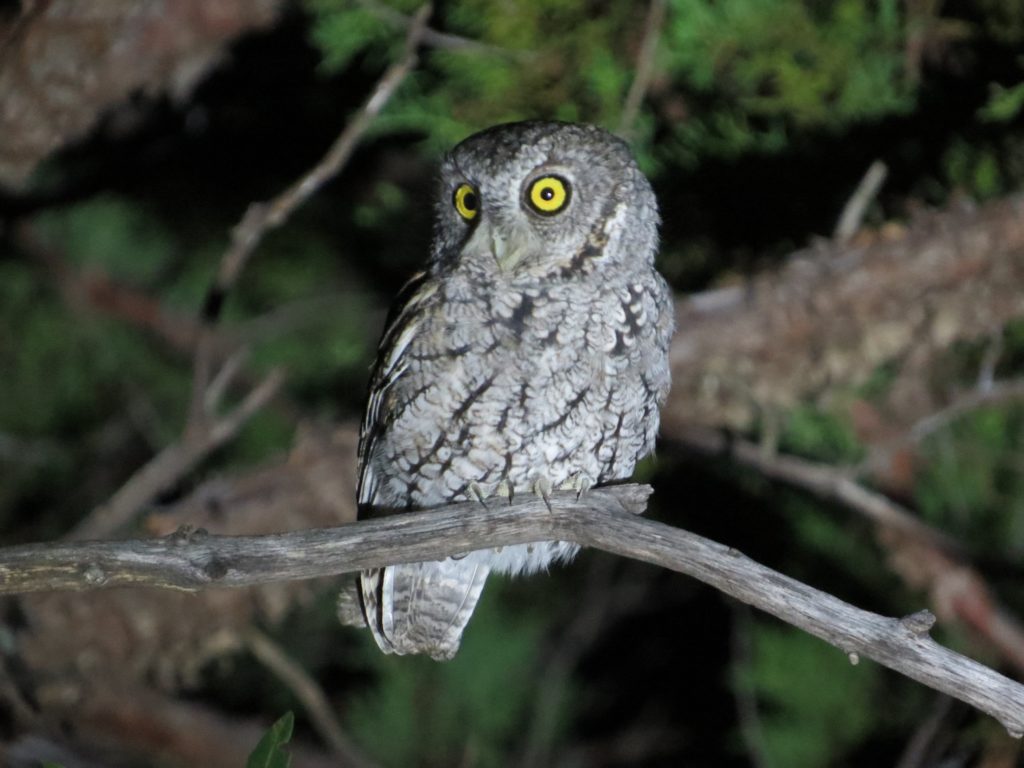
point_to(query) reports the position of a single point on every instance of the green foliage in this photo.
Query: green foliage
(1003, 105)
(110, 234)
(548, 58)
(753, 70)
(814, 703)
(970, 483)
(62, 373)
(270, 752)
(769, 67)
(975, 169)
(464, 711)
(826, 436)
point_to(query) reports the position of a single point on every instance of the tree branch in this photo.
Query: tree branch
(178, 458)
(261, 218)
(922, 556)
(644, 68)
(828, 317)
(605, 519)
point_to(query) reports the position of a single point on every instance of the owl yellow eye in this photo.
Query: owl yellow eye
(466, 201)
(548, 194)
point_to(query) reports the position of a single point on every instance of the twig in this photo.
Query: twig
(100, 292)
(309, 693)
(431, 36)
(203, 434)
(934, 562)
(996, 393)
(821, 480)
(260, 218)
(644, 67)
(853, 212)
(173, 462)
(989, 361)
(605, 519)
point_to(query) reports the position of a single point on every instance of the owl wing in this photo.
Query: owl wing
(399, 330)
(414, 607)
(422, 607)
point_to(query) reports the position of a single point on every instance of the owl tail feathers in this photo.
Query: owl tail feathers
(422, 607)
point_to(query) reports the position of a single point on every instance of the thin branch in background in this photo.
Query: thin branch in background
(852, 216)
(925, 558)
(644, 68)
(204, 430)
(175, 461)
(989, 361)
(309, 693)
(97, 291)
(261, 218)
(821, 480)
(606, 518)
(997, 393)
(432, 37)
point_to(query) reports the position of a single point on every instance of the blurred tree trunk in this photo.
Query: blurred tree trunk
(67, 64)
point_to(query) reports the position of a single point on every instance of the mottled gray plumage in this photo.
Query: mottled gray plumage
(530, 355)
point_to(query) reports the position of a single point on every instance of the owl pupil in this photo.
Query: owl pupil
(547, 193)
(469, 201)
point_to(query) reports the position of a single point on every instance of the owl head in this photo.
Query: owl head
(543, 199)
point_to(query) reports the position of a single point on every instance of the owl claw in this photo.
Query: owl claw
(542, 487)
(504, 489)
(581, 484)
(477, 491)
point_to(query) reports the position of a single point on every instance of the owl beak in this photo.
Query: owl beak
(488, 242)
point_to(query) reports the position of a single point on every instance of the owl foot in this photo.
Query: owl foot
(542, 487)
(477, 491)
(581, 483)
(505, 489)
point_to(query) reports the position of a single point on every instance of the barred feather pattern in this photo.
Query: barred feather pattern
(530, 355)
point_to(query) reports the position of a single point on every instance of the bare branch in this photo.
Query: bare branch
(996, 393)
(605, 519)
(433, 37)
(831, 315)
(821, 480)
(204, 431)
(644, 67)
(173, 463)
(261, 218)
(853, 212)
(307, 691)
(922, 556)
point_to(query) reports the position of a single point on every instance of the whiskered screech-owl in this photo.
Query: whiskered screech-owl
(530, 355)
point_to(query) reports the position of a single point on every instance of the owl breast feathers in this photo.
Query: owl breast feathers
(530, 355)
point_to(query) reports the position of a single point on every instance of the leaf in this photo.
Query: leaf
(1003, 105)
(269, 752)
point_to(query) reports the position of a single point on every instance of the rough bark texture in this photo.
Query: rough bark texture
(90, 659)
(606, 518)
(64, 63)
(832, 314)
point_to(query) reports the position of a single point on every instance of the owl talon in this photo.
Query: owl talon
(504, 489)
(581, 484)
(477, 491)
(542, 487)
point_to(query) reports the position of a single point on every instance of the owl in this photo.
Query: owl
(530, 355)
